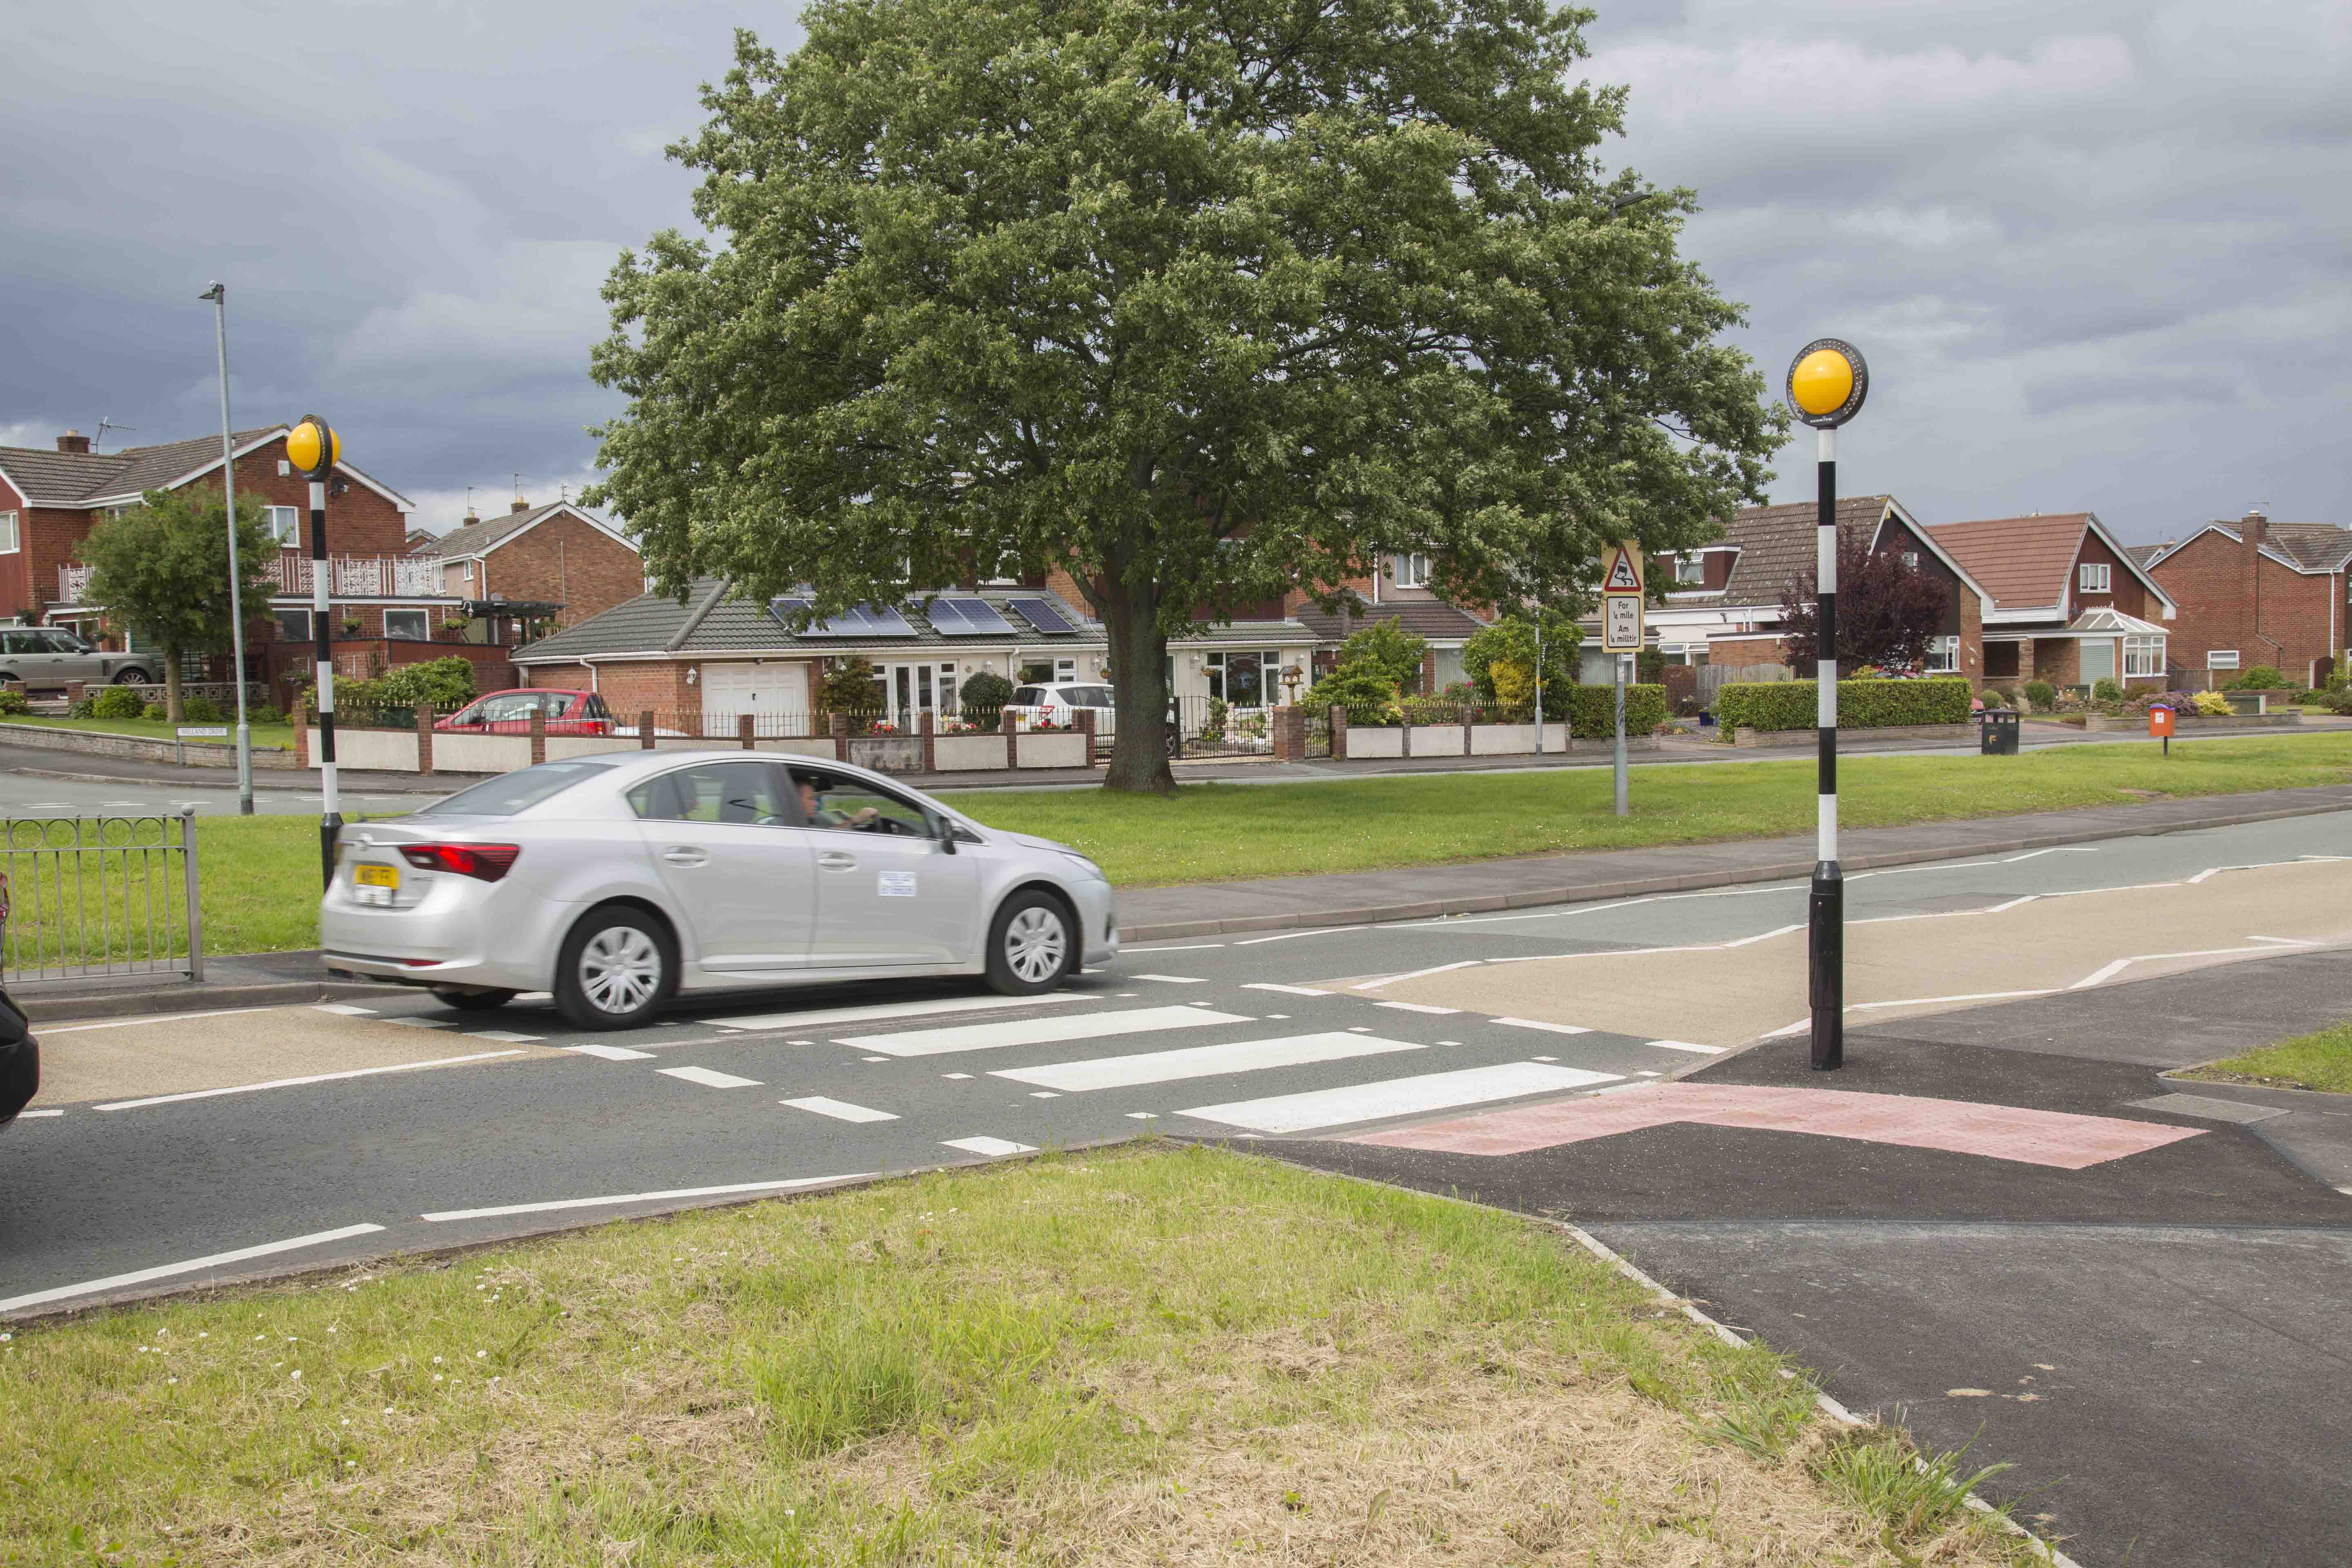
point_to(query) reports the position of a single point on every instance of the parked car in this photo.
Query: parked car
(20, 1053)
(1061, 701)
(616, 882)
(51, 655)
(567, 713)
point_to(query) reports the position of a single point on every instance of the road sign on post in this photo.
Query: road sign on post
(1827, 383)
(1621, 636)
(312, 448)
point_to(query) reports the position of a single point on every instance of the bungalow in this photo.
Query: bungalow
(2254, 592)
(2069, 604)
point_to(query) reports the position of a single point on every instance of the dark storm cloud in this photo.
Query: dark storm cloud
(2097, 251)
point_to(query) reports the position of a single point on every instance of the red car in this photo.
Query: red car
(508, 713)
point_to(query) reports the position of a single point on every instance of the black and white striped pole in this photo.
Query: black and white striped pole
(1826, 386)
(312, 448)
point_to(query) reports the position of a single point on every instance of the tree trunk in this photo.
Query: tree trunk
(1139, 655)
(172, 685)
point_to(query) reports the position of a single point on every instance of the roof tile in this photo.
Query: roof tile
(2022, 562)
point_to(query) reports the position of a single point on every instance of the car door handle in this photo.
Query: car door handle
(835, 860)
(685, 855)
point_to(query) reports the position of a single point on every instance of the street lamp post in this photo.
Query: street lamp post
(312, 448)
(1826, 386)
(219, 295)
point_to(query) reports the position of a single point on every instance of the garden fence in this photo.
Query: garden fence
(101, 895)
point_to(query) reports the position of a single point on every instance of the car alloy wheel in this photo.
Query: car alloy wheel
(619, 970)
(1036, 945)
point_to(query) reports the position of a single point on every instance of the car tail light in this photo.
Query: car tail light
(599, 726)
(484, 862)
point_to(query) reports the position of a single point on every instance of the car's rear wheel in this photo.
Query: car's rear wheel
(472, 1001)
(1031, 944)
(132, 677)
(616, 968)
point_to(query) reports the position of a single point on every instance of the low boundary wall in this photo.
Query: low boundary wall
(101, 743)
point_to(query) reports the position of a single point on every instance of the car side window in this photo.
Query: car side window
(845, 804)
(748, 793)
(1029, 697)
(593, 707)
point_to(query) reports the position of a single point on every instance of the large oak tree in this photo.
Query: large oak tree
(1197, 300)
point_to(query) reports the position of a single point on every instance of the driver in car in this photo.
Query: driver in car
(819, 815)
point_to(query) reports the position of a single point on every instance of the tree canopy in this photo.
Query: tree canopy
(1888, 610)
(161, 570)
(1196, 301)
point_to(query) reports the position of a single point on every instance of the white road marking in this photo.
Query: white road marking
(2105, 970)
(1923, 1001)
(1397, 1096)
(839, 1109)
(1042, 1031)
(345, 1008)
(1417, 973)
(893, 1010)
(1286, 990)
(1686, 1045)
(1645, 1072)
(1203, 1061)
(1195, 947)
(1174, 979)
(1547, 1029)
(1154, 1116)
(1544, 1058)
(709, 1079)
(609, 1053)
(1045, 1094)
(23, 1114)
(1292, 935)
(504, 1037)
(1763, 936)
(873, 1058)
(992, 1147)
(294, 1082)
(955, 1075)
(445, 1216)
(424, 1023)
(47, 1029)
(1416, 1007)
(193, 1266)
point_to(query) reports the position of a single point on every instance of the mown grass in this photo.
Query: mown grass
(1135, 1356)
(2320, 1060)
(259, 875)
(275, 737)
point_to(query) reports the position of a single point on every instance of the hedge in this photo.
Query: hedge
(1861, 704)
(1592, 709)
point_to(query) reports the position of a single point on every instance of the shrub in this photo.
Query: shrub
(1861, 704)
(2340, 679)
(1994, 697)
(983, 697)
(2212, 704)
(2041, 693)
(852, 686)
(82, 706)
(2261, 678)
(2106, 689)
(15, 703)
(1364, 689)
(1591, 711)
(151, 711)
(1394, 652)
(2336, 700)
(118, 702)
(434, 683)
(200, 711)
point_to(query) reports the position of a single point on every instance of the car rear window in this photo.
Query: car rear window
(518, 790)
(1029, 696)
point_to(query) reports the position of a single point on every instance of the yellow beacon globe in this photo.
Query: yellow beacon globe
(302, 446)
(1821, 382)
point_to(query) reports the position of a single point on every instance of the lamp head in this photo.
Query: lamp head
(1827, 384)
(313, 447)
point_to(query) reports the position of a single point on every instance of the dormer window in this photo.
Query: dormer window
(1411, 571)
(2091, 577)
(1690, 568)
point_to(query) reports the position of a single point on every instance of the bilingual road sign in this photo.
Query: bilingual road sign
(1621, 623)
(1624, 573)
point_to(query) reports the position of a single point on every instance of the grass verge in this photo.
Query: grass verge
(1135, 1356)
(2320, 1060)
(273, 737)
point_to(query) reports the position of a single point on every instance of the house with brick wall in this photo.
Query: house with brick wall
(2069, 603)
(2254, 592)
(1722, 601)
(386, 609)
(555, 555)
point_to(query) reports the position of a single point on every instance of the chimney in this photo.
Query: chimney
(469, 519)
(2256, 528)
(73, 441)
(519, 505)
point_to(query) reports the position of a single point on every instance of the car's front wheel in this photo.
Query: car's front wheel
(472, 1001)
(132, 676)
(1031, 944)
(616, 968)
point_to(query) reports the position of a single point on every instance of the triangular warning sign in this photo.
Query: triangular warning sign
(1622, 578)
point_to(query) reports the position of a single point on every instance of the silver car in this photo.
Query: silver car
(51, 655)
(617, 881)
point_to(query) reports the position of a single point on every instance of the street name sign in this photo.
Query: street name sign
(204, 732)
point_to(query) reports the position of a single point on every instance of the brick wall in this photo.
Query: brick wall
(628, 686)
(1738, 652)
(2125, 592)
(569, 560)
(2221, 583)
(15, 574)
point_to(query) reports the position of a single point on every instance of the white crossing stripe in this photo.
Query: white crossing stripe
(1041, 1031)
(609, 1053)
(1537, 1023)
(991, 1147)
(1205, 1061)
(1397, 1096)
(503, 1037)
(1174, 979)
(345, 1008)
(839, 1109)
(1416, 1007)
(424, 1023)
(1686, 1045)
(672, 1194)
(1286, 990)
(893, 1010)
(709, 1079)
(193, 1266)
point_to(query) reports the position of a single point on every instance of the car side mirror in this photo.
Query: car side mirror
(942, 829)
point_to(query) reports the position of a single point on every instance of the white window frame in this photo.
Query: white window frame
(11, 539)
(423, 625)
(2222, 659)
(2095, 577)
(1411, 571)
(1943, 657)
(290, 536)
(1911, 560)
(1690, 569)
(2143, 655)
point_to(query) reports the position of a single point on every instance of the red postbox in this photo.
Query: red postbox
(2159, 724)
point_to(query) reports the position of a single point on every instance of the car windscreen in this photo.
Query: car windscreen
(518, 790)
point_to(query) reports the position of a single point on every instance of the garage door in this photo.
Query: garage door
(775, 694)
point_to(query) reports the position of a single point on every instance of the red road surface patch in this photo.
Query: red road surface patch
(2054, 1138)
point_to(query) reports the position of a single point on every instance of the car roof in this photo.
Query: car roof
(639, 763)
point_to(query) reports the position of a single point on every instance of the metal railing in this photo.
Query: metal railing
(100, 895)
(367, 577)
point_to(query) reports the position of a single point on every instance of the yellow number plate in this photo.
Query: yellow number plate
(377, 876)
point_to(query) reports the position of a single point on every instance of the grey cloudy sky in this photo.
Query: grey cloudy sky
(2095, 250)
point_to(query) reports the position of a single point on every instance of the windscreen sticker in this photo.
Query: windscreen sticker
(895, 884)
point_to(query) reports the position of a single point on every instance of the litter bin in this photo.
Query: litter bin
(1997, 732)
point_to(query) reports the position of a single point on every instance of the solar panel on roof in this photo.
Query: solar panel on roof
(862, 621)
(1043, 613)
(967, 617)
